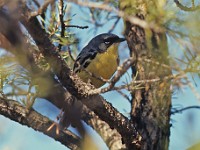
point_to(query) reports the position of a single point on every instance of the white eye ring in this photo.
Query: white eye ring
(106, 42)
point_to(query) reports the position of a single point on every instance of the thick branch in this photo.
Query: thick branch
(150, 109)
(111, 137)
(16, 112)
(56, 94)
(73, 84)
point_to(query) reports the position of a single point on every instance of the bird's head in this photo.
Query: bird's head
(102, 41)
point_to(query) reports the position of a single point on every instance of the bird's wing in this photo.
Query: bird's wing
(84, 59)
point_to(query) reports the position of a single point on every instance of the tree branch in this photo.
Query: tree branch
(42, 9)
(62, 24)
(73, 84)
(185, 8)
(175, 111)
(78, 88)
(16, 112)
(120, 71)
(56, 93)
(132, 19)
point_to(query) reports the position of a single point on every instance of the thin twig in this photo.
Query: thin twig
(42, 9)
(183, 109)
(91, 74)
(196, 93)
(120, 71)
(136, 84)
(114, 25)
(76, 26)
(124, 95)
(155, 62)
(185, 8)
(132, 19)
(36, 3)
(62, 24)
(70, 54)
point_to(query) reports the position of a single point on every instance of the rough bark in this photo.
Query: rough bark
(150, 109)
(55, 92)
(16, 112)
(150, 106)
(74, 85)
(97, 103)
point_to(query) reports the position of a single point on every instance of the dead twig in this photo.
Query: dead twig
(62, 23)
(114, 25)
(42, 9)
(183, 109)
(76, 26)
(120, 71)
(185, 8)
(132, 19)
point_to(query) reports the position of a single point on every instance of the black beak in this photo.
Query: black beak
(120, 40)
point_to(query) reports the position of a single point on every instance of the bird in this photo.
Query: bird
(99, 59)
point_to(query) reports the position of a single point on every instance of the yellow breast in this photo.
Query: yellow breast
(103, 65)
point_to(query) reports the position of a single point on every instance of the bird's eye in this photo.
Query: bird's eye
(107, 43)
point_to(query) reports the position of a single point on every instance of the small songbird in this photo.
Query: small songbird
(99, 59)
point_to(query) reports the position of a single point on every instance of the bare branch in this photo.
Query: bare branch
(16, 112)
(59, 93)
(74, 85)
(123, 94)
(111, 137)
(62, 23)
(76, 26)
(185, 8)
(120, 71)
(70, 54)
(42, 9)
(173, 112)
(132, 19)
(114, 25)
(36, 3)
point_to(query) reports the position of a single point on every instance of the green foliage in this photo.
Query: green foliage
(129, 6)
(180, 26)
(15, 81)
(59, 35)
(183, 30)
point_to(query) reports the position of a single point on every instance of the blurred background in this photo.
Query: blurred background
(185, 130)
